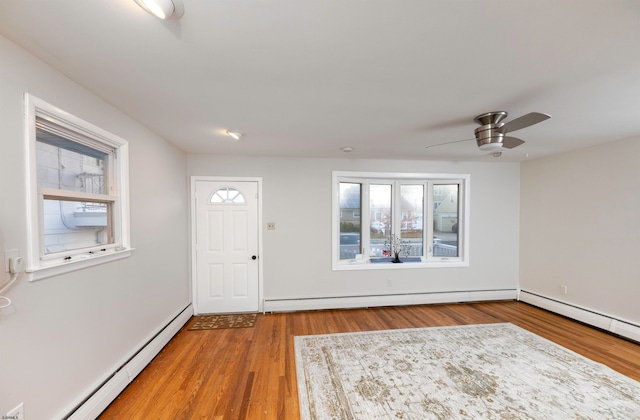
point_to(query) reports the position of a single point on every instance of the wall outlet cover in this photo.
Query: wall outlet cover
(10, 253)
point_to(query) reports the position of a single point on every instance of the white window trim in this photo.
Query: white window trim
(38, 268)
(434, 262)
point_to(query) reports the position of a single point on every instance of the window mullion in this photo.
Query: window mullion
(396, 208)
(365, 219)
(428, 218)
(425, 221)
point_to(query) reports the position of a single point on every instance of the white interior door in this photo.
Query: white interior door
(226, 231)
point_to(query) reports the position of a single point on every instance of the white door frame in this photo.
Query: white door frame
(192, 201)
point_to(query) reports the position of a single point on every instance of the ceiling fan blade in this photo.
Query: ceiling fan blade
(511, 142)
(449, 142)
(524, 121)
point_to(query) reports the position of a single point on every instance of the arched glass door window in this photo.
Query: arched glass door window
(227, 195)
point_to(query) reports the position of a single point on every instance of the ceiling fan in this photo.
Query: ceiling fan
(491, 135)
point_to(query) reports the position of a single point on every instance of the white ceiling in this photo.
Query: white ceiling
(309, 77)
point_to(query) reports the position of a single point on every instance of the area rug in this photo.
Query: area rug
(491, 371)
(212, 322)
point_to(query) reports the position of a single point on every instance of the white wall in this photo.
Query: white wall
(63, 335)
(580, 228)
(297, 255)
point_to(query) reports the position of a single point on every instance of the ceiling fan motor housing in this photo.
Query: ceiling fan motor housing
(489, 137)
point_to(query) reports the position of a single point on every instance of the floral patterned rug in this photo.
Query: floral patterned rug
(491, 371)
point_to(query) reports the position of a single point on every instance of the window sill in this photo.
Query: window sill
(357, 264)
(78, 263)
(388, 260)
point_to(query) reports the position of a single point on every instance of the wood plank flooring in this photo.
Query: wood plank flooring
(250, 373)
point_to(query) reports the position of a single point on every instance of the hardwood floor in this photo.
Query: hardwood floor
(250, 373)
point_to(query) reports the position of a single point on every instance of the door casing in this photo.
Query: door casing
(192, 241)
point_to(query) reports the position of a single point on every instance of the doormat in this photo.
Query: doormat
(214, 322)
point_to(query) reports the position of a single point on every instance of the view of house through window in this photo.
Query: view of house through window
(412, 208)
(350, 223)
(71, 178)
(77, 201)
(415, 212)
(380, 211)
(445, 221)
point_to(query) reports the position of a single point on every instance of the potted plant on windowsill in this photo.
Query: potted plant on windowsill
(396, 246)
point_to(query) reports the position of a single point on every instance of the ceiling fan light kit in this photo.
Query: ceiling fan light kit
(490, 146)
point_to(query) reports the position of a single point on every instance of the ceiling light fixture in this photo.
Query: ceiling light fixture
(163, 9)
(490, 147)
(235, 134)
(347, 149)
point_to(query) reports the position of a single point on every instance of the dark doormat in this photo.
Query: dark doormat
(213, 322)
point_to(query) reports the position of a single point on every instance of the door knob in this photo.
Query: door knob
(253, 257)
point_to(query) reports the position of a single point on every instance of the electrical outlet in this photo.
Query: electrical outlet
(389, 283)
(15, 265)
(271, 226)
(8, 254)
(16, 414)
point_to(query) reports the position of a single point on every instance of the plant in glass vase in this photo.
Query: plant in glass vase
(396, 246)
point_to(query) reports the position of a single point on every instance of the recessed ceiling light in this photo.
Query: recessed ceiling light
(164, 9)
(347, 149)
(235, 134)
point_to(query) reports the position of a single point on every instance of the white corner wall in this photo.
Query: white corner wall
(297, 254)
(64, 336)
(580, 228)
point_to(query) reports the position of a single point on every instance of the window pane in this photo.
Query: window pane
(380, 213)
(227, 195)
(350, 224)
(70, 225)
(411, 201)
(66, 165)
(445, 221)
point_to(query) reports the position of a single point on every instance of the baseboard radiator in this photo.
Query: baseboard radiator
(596, 319)
(100, 399)
(343, 302)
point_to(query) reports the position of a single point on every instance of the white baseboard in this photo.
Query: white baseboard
(589, 317)
(290, 304)
(103, 396)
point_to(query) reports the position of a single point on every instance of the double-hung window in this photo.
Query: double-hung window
(421, 218)
(77, 204)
